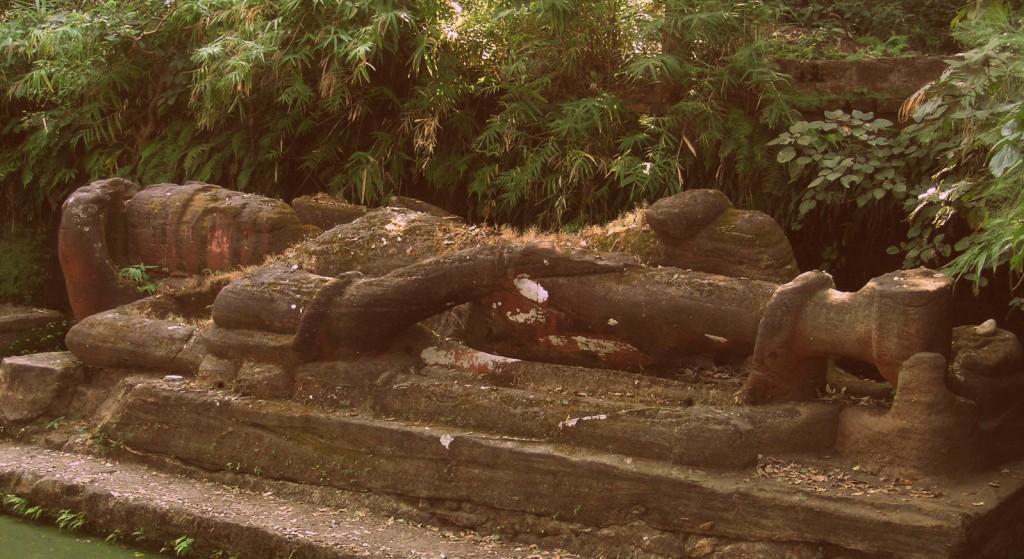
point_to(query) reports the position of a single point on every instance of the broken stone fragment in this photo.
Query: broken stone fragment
(987, 366)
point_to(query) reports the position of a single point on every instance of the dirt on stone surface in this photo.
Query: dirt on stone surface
(131, 498)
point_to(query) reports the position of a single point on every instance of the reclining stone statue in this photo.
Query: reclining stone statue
(699, 277)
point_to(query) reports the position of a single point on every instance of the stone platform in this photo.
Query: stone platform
(602, 473)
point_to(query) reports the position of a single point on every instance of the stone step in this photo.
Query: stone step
(33, 385)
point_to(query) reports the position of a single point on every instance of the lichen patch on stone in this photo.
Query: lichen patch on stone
(534, 316)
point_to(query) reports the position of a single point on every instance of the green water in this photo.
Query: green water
(26, 540)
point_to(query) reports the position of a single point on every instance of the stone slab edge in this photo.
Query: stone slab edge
(128, 498)
(592, 488)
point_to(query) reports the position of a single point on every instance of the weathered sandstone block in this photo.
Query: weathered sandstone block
(32, 385)
(928, 430)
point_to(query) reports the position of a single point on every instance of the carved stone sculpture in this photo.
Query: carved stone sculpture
(177, 228)
(807, 321)
(354, 290)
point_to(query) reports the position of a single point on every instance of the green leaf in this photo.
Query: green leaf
(807, 205)
(892, 250)
(878, 193)
(1004, 160)
(799, 127)
(786, 154)
(850, 180)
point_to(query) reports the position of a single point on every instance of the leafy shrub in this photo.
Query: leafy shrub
(543, 111)
(919, 24)
(22, 264)
(978, 192)
(954, 172)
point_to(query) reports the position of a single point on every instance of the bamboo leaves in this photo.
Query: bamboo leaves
(543, 111)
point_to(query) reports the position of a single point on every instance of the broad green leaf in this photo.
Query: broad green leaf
(849, 180)
(786, 154)
(1004, 160)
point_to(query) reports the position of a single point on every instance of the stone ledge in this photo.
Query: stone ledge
(32, 385)
(129, 498)
(593, 489)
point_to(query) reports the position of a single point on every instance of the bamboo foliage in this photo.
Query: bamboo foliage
(541, 111)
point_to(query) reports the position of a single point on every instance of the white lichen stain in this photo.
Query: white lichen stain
(718, 339)
(572, 422)
(532, 317)
(531, 289)
(612, 322)
(600, 347)
(557, 341)
(467, 359)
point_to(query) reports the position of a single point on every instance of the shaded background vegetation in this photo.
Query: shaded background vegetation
(532, 112)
